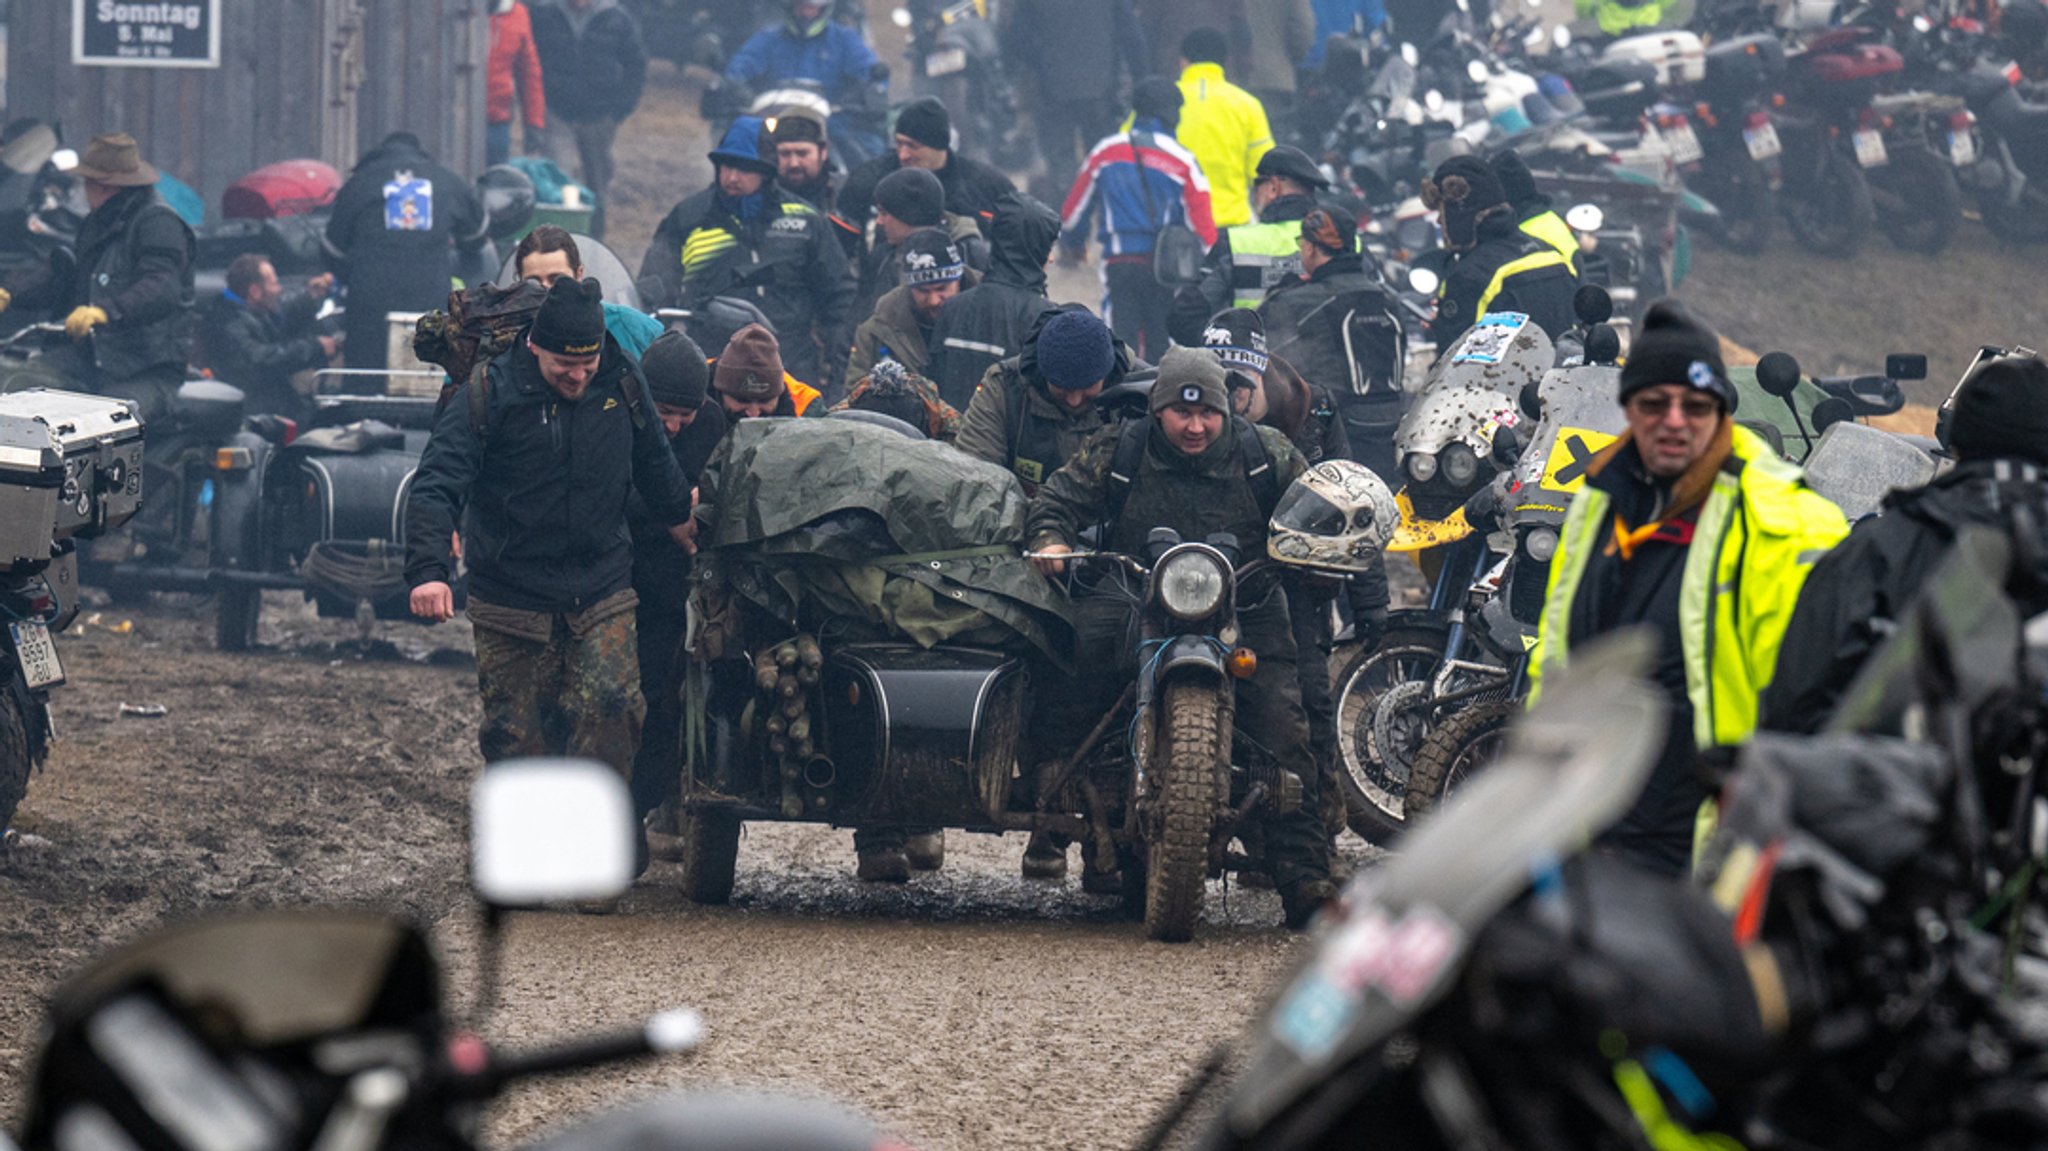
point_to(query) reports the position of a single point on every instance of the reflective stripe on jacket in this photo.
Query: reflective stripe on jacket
(1533, 262)
(1549, 228)
(1758, 535)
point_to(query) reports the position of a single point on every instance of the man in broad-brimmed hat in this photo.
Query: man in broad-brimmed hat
(128, 299)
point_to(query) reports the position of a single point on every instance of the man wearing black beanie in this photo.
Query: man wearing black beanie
(924, 139)
(535, 461)
(1998, 431)
(1684, 476)
(678, 383)
(1495, 266)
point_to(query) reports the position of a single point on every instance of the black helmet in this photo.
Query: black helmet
(508, 198)
(807, 29)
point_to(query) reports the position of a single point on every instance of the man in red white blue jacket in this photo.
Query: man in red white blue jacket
(1134, 183)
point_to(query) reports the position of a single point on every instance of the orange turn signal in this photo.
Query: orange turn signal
(1243, 662)
(233, 459)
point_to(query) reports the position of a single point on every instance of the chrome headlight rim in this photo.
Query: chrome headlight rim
(1191, 583)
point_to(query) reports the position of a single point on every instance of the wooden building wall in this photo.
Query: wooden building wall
(322, 78)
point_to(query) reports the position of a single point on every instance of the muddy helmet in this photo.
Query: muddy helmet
(1337, 517)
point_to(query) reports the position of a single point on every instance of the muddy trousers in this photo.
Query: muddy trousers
(1269, 712)
(576, 693)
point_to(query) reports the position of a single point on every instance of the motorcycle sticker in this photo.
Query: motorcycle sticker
(1402, 959)
(1570, 456)
(1489, 338)
(408, 204)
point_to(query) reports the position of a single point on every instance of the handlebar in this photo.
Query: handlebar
(677, 1032)
(45, 328)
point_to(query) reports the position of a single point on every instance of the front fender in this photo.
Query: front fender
(1189, 655)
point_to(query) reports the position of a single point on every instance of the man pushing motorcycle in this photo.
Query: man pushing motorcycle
(1200, 471)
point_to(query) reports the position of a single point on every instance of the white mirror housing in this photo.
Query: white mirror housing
(1424, 281)
(550, 830)
(1585, 217)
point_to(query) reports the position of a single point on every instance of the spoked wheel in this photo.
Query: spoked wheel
(711, 848)
(1917, 197)
(1189, 786)
(1376, 784)
(1463, 744)
(1830, 210)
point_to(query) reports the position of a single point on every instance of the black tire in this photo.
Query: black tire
(711, 850)
(1830, 211)
(2022, 223)
(1195, 738)
(1743, 194)
(1375, 794)
(17, 760)
(1462, 745)
(235, 612)
(1918, 200)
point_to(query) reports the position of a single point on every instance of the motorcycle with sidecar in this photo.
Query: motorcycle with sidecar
(858, 663)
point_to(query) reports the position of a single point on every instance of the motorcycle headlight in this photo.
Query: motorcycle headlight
(1541, 544)
(1191, 585)
(1461, 467)
(1421, 467)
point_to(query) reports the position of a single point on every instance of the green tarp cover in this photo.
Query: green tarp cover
(849, 528)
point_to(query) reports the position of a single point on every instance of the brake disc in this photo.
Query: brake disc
(1399, 725)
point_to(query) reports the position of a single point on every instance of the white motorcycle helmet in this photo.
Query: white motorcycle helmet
(1337, 517)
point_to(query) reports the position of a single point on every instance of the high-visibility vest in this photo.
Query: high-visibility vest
(1262, 255)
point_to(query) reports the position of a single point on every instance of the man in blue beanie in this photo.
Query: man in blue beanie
(745, 232)
(1033, 409)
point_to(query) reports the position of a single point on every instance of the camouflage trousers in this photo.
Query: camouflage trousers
(560, 684)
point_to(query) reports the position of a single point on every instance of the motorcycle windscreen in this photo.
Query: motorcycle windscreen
(1579, 418)
(1856, 466)
(599, 263)
(1573, 765)
(280, 976)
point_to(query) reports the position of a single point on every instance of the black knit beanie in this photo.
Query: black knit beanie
(2001, 412)
(1517, 182)
(926, 121)
(571, 319)
(677, 373)
(1159, 98)
(1238, 337)
(1674, 348)
(1463, 192)
(913, 196)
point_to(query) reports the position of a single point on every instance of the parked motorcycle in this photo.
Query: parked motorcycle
(953, 54)
(72, 471)
(302, 1029)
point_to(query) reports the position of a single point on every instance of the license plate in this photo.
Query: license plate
(1962, 149)
(1763, 142)
(1870, 149)
(945, 62)
(1685, 146)
(38, 655)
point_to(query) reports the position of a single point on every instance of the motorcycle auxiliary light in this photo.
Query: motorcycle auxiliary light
(1460, 465)
(1541, 545)
(1421, 467)
(1191, 586)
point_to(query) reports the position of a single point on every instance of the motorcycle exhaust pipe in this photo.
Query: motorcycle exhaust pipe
(820, 773)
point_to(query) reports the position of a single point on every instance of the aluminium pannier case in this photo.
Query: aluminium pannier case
(70, 464)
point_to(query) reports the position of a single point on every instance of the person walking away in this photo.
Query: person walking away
(1250, 260)
(1198, 474)
(751, 383)
(1222, 124)
(1338, 327)
(1859, 594)
(1496, 267)
(745, 235)
(541, 485)
(924, 139)
(808, 45)
(391, 237)
(901, 327)
(907, 200)
(988, 323)
(1073, 52)
(257, 337)
(678, 382)
(549, 253)
(593, 69)
(1684, 476)
(1282, 33)
(1137, 182)
(803, 166)
(512, 69)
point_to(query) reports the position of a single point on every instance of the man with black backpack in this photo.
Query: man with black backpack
(538, 473)
(1195, 468)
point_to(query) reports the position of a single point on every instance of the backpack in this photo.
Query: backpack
(1130, 452)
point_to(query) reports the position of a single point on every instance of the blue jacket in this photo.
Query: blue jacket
(1108, 187)
(837, 59)
(1335, 17)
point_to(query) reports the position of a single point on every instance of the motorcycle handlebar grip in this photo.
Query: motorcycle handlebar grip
(667, 1033)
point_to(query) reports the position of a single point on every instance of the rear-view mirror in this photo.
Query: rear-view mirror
(550, 830)
(1778, 374)
(1585, 217)
(1831, 411)
(1592, 305)
(1904, 366)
